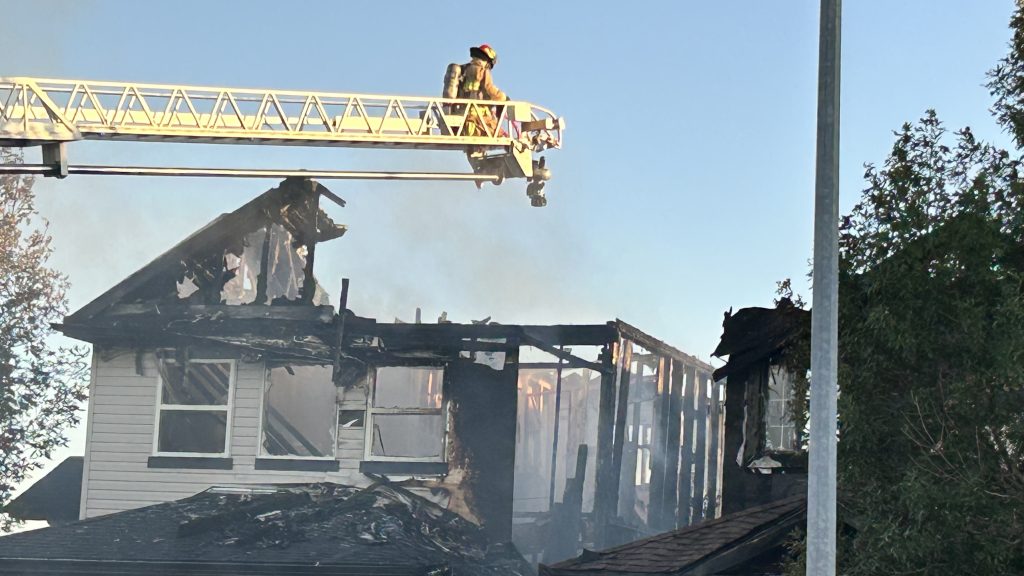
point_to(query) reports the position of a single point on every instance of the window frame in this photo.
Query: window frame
(371, 411)
(337, 414)
(259, 429)
(228, 408)
(788, 423)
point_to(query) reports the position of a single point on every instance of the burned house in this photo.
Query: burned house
(765, 459)
(763, 470)
(224, 364)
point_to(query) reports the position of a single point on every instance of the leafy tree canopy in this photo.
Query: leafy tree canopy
(41, 384)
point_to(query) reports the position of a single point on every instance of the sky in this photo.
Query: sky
(684, 188)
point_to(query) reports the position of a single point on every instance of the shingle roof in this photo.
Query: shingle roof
(313, 525)
(683, 551)
(54, 497)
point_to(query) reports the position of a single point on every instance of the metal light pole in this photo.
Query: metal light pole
(821, 484)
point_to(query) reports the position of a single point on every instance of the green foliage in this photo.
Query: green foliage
(1006, 82)
(41, 385)
(931, 347)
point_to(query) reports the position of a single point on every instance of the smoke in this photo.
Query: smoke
(472, 253)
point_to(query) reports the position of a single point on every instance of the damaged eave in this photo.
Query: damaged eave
(300, 332)
(756, 334)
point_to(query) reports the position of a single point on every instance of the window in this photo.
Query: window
(780, 431)
(299, 411)
(194, 407)
(351, 419)
(406, 415)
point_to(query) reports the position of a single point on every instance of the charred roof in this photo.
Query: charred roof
(754, 334)
(294, 529)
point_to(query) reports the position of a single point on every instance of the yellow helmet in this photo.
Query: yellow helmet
(486, 52)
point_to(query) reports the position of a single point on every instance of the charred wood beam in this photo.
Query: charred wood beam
(554, 437)
(700, 445)
(686, 448)
(567, 517)
(315, 314)
(674, 432)
(652, 344)
(264, 275)
(571, 360)
(280, 350)
(364, 336)
(310, 234)
(657, 511)
(339, 343)
(330, 195)
(565, 335)
(621, 414)
(604, 494)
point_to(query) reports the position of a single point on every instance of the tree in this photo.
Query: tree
(931, 347)
(931, 342)
(42, 384)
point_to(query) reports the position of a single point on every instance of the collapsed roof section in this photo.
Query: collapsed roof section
(246, 278)
(260, 254)
(294, 529)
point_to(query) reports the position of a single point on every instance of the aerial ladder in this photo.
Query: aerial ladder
(52, 113)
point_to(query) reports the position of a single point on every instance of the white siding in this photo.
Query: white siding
(120, 440)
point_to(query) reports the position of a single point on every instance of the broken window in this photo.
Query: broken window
(285, 259)
(299, 404)
(780, 430)
(351, 419)
(245, 269)
(193, 406)
(406, 414)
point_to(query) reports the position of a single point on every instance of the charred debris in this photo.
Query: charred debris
(320, 528)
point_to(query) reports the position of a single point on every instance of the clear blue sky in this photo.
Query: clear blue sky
(684, 188)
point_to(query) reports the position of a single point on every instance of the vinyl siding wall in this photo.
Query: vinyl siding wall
(120, 440)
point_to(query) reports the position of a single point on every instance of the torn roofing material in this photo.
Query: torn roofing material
(294, 529)
(753, 334)
(708, 548)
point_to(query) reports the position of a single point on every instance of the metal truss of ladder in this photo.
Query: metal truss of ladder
(53, 112)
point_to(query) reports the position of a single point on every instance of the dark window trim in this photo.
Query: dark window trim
(297, 464)
(403, 468)
(196, 462)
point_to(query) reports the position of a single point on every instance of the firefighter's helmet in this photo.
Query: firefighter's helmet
(486, 52)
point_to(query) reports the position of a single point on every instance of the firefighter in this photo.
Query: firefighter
(476, 84)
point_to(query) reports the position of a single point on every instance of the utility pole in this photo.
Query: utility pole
(821, 485)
